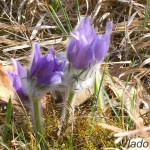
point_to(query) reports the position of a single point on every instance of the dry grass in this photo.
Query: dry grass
(127, 79)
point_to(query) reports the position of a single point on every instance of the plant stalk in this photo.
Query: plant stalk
(37, 117)
(68, 109)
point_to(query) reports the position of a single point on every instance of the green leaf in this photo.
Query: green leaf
(78, 9)
(65, 16)
(56, 19)
(54, 4)
(7, 119)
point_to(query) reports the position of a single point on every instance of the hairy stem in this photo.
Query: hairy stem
(68, 109)
(37, 116)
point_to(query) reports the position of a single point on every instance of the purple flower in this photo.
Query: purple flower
(44, 71)
(86, 48)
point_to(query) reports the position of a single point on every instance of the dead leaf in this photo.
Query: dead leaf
(6, 90)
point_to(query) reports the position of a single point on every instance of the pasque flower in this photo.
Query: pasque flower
(43, 72)
(46, 69)
(86, 47)
(32, 82)
(85, 51)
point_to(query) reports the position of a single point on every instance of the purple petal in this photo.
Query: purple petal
(83, 59)
(61, 56)
(10, 75)
(76, 46)
(60, 66)
(109, 27)
(19, 70)
(17, 85)
(71, 48)
(50, 51)
(100, 46)
(46, 65)
(86, 29)
(80, 55)
(53, 78)
(36, 59)
(60, 62)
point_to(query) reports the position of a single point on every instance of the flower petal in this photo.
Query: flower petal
(86, 29)
(101, 46)
(53, 78)
(10, 75)
(109, 27)
(80, 55)
(50, 51)
(71, 48)
(60, 62)
(17, 85)
(46, 65)
(36, 59)
(83, 59)
(19, 70)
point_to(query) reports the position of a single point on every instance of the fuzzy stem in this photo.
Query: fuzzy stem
(69, 103)
(70, 98)
(37, 117)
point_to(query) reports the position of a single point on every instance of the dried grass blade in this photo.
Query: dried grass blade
(129, 133)
(26, 45)
(96, 10)
(145, 62)
(110, 127)
(34, 32)
(131, 19)
(132, 71)
(20, 10)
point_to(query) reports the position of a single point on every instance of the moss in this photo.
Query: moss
(87, 137)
